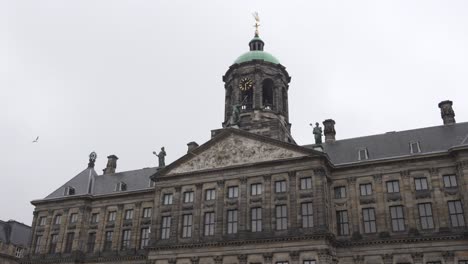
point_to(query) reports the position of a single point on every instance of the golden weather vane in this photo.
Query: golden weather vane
(257, 22)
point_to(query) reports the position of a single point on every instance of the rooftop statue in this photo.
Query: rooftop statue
(317, 133)
(161, 157)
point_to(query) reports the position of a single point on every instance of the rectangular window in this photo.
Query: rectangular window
(232, 221)
(73, 218)
(187, 225)
(19, 252)
(144, 238)
(126, 236)
(306, 183)
(209, 224)
(450, 181)
(255, 189)
(363, 154)
(420, 184)
(233, 192)
(307, 215)
(210, 194)
(456, 213)
(256, 217)
(342, 223)
(37, 248)
(188, 197)
(463, 262)
(393, 187)
(147, 212)
(280, 186)
(425, 215)
(281, 217)
(111, 216)
(340, 192)
(53, 244)
(166, 227)
(69, 242)
(57, 219)
(308, 262)
(282, 262)
(414, 147)
(167, 199)
(128, 214)
(108, 240)
(42, 220)
(368, 218)
(366, 189)
(94, 218)
(91, 242)
(398, 218)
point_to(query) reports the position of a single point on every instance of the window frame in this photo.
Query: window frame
(426, 217)
(166, 227)
(147, 212)
(57, 219)
(232, 221)
(209, 224)
(42, 220)
(108, 237)
(365, 152)
(342, 223)
(168, 199)
(210, 194)
(53, 243)
(187, 225)
(281, 186)
(69, 242)
(126, 239)
(111, 215)
(307, 214)
(233, 192)
(369, 220)
(391, 186)
(144, 237)
(256, 219)
(94, 218)
(419, 184)
(256, 189)
(38, 244)
(367, 189)
(398, 220)
(459, 213)
(339, 190)
(305, 183)
(188, 196)
(281, 217)
(91, 243)
(452, 181)
(411, 146)
(128, 214)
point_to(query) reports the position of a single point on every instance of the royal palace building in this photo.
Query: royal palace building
(252, 195)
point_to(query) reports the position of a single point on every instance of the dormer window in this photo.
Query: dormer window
(120, 187)
(69, 191)
(151, 183)
(414, 147)
(363, 154)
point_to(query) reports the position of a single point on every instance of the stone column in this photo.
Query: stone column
(156, 217)
(293, 221)
(439, 209)
(267, 204)
(197, 221)
(320, 184)
(118, 227)
(380, 200)
(101, 230)
(243, 211)
(220, 209)
(353, 204)
(462, 173)
(175, 219)
(136, 225)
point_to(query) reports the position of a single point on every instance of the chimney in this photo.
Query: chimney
(329, 130)
(447, 113)
(111, 164)
(191, 146)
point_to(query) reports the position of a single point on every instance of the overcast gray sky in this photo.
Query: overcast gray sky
(127, 77)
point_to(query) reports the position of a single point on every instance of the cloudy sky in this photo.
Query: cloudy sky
(127, 77)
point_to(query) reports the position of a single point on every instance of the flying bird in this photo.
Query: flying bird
(36, 140)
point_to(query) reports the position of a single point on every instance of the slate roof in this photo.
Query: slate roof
(105, 184)
(396, 144)
(15, 233)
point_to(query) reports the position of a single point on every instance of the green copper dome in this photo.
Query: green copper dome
(257, 55)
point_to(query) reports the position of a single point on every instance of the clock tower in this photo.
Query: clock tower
(257, 93)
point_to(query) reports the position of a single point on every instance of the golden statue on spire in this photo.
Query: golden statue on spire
(257, 22)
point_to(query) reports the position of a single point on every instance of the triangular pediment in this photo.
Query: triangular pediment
(235, 149)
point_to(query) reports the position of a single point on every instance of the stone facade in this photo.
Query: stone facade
(251, 195)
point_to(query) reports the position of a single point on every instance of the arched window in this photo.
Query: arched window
(267, 94)
(247, 99)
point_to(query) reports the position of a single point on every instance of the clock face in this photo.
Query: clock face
(245, 84)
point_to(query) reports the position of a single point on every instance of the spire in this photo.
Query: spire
(256, 44)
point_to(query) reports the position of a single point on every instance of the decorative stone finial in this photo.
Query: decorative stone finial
(111, 164)
(161, 157)
(329, 130)
(446, 112)
(92, 159)
(257, 23)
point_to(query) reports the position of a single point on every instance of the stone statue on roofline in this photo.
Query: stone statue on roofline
(161, 157)
(317, 133)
